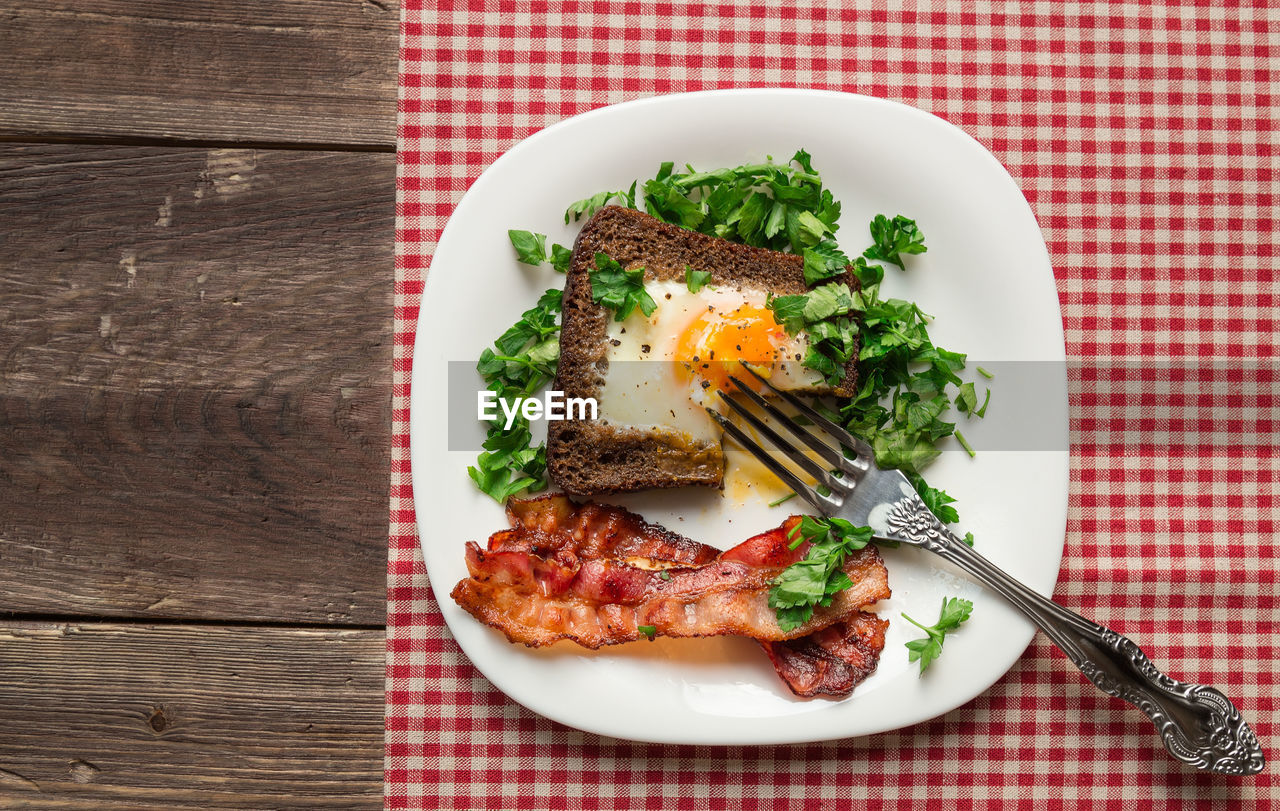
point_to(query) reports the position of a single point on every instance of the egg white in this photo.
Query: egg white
(648, 387)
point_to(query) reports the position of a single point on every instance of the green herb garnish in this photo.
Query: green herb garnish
(510, 464)
(954, 611)
(620, 290)
(782, 500)
(967, 401)
(648, 630)
(768, 205)
(530, 248)
(815, 580)
(938, 502)
(590, 205)
(695, 280)
(560, 256)
(893, 238)
(523, 359)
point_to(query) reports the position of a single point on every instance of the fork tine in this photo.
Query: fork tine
(823, 504)
(829, 454)
(789, 449)
(864, 451)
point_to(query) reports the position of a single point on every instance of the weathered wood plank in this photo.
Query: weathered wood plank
(266, 71)
(113, 717)
(195, 374)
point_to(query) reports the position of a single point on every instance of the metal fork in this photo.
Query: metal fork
(1197, 723)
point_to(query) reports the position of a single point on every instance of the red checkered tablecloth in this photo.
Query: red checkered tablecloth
(1144, 139)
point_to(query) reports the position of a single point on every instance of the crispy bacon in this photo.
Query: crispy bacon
(596, 574)
(553, 523)
(832, 661)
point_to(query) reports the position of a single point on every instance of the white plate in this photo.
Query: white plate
(986, 278)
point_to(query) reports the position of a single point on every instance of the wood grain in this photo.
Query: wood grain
(195, 372)
(264, 71)
(114, 717)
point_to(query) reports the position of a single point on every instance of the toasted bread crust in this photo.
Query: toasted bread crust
(587, 457)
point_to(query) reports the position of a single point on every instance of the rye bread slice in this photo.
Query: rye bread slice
(591, 457)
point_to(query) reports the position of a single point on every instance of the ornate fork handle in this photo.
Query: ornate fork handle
(1197, 724)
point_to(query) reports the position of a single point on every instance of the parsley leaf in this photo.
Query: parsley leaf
(524, 361)
(770, 205)
(938, 502)
(648, 630)
(510, 464)
(815, 580)
(967, 401)
(827, 301)
(669, 204)
(588, 206)
(560, 256)
(893, 238)
(789, 311)
(620, 290)
(823, 261)
(954, 612)
(695, 280)
(820, 314)
(530, 248)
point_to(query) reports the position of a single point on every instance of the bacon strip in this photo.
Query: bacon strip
(594, 574)
(554, 523)
(833, 661)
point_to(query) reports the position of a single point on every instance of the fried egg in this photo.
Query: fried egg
(665, 369)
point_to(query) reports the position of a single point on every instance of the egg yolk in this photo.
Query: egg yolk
(711, 346)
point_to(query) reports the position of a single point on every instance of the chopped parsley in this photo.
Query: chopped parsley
(967, 401)
(893, 238)
(588, 206)
(815, 580)
(824, 315)
(648, 630)
(530, 248)
(560, 256)
(938, 502)
(954, 612)
(523, 359)
(695, 280)
(620, 290)
(767, 205)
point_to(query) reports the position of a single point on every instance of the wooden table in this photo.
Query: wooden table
(196, 225)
